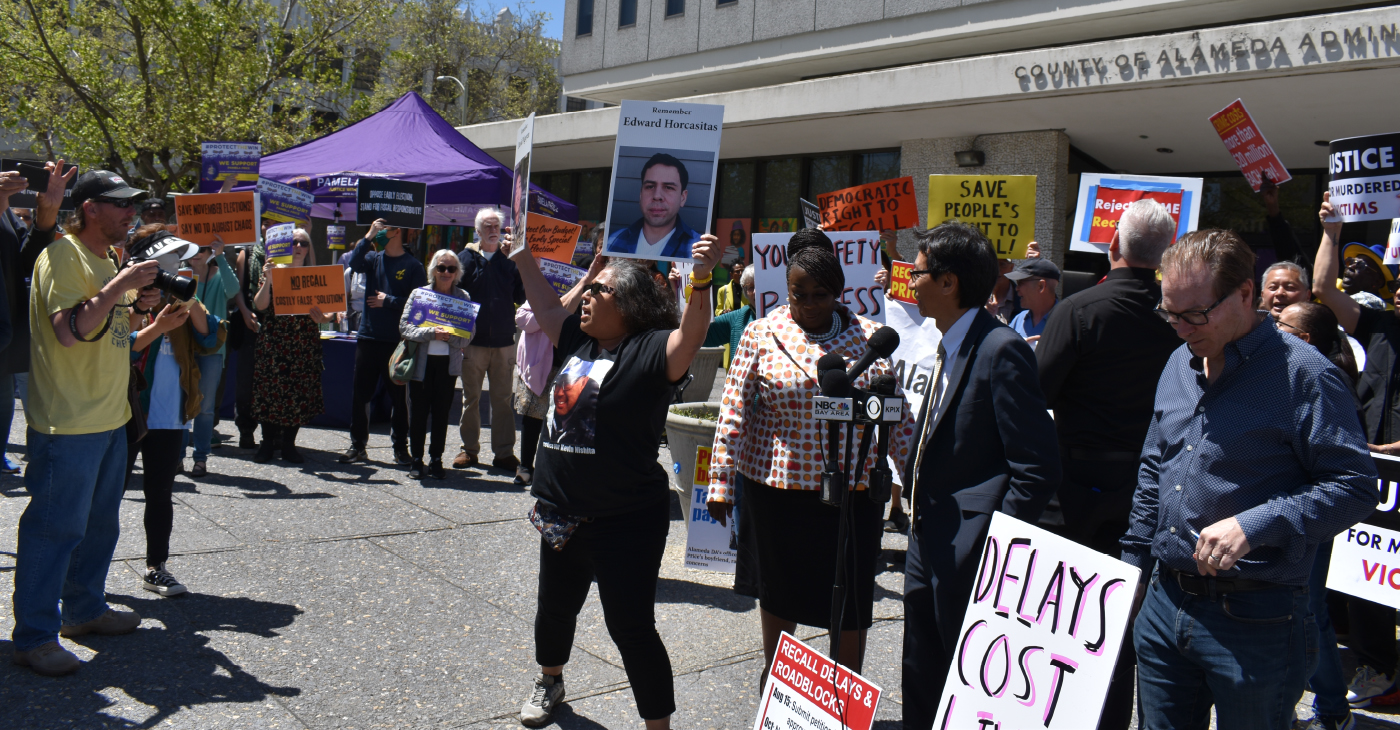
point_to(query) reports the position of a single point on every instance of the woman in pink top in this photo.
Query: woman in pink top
(770, 448)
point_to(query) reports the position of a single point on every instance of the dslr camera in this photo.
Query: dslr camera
(169, 251)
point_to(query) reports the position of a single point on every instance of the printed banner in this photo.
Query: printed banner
(859, 253)
(663, 179)
(560, 275)
(1041, 634)
(1365, 182)
(520, 180)
(551, 238)
(1247, 145)
(220, 160)
(278, 243)
(233, 216)
(30, 198)
(811, 214)
(876, 206)
(808, 691)
(1003, 206)
(428, 308)
(296, 289)
(399, 202)
(1364, 558)
(335, 237)
(900, 288)
(1104, 197)
(284, 202)
(1392, 243)
(708, 544)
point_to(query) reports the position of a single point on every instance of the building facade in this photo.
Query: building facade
(824, 94)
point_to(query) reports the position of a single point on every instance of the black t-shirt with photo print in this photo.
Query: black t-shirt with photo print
(599, 445)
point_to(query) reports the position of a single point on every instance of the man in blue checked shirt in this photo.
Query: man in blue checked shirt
(1254, 457)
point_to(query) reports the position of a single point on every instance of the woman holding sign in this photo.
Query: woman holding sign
(287, 367)
(770, 447)
(602, 500)
(435, 369)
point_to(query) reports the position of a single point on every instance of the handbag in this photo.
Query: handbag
(402, 362)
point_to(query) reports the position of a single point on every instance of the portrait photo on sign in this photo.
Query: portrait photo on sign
(519, 191)
(661, 202)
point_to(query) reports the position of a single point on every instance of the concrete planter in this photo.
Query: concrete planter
(683, 435)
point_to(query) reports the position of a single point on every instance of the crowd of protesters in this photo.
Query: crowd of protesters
(1207, 425)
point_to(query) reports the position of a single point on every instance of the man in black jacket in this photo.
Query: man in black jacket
(489, 276)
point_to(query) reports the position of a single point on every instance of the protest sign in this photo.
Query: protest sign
(663, 179)
(1365, 182)
(296, 289)
(284, 202)
(811, 214)
(560, 275)
(335, 237)
(520, 182)
(858, 252)
(1366, 557)
(1392, 243)
(278, 243)
(1044, 625)
(876, 206)
(399, 202)
(551, 238)
(1003, 206)
(427, 308)
(1104, 197)
(708, 544)
(220, 160)
(900, 287)
(1247, 145)
(232, 216)
(808, 691)
(30, 198)
(738, 232)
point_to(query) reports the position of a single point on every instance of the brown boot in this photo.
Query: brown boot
(49, 660)
(112, 623)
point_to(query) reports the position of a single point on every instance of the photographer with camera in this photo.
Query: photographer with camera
(78, 409)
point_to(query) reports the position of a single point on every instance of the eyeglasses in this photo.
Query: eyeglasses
(301, 244)
(1194, 317)
(446, 269)
(1280, 323)
(595, 289)
(205, 250)
(124, 203)
(916, 273)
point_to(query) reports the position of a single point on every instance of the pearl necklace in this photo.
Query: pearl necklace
(829, 334)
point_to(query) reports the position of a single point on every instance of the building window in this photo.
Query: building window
(575, 104)
(674, 8)
(626, 13)
(877, 166)
(585, 17)
(826, 174)
(722, 3)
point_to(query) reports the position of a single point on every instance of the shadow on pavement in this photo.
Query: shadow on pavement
(162, 668)
(670, 590)
(566, 719)
(252, 487)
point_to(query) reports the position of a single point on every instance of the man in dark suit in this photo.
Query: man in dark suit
(985, 444)
(659, 233)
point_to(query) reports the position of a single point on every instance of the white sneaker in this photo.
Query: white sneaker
(546, 695)
(1367, 685)
(159, 580)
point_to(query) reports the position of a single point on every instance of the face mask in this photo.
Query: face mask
(381, 239)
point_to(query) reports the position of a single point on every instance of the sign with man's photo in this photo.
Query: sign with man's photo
(663, 179)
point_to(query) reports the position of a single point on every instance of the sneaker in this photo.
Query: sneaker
(898, 522)
(11, 467)
(352, 454)
(401, 455)
(1319, 722)
(159, 580)
(547, 694)
(436, 471)
(1366, 685)
(49, 660)
(524, 475)
(112, 623)
(199, 470)
(416, 470)
(465, 460)
(507, 462)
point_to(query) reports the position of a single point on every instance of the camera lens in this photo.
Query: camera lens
(180, 287)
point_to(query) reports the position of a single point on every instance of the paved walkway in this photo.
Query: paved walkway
(333, 596)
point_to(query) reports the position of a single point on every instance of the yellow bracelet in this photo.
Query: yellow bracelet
(708, 277)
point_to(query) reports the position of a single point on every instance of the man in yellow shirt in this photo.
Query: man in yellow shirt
(80, 365)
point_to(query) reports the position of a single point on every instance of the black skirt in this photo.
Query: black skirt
(796, 541)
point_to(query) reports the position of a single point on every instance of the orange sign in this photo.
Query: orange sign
(232, 216)
(295, 289)
(551, 238)
(900, 287)
(871, 207)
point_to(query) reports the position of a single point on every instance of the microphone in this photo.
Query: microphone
(835, 383)
(883, 384)
(882, 344)
(829, 361)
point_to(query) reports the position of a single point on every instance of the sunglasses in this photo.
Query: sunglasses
(595, 289)
(124, 203)
(301, 244)
(446, 269)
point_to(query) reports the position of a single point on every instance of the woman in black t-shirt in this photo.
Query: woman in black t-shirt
(602, 499)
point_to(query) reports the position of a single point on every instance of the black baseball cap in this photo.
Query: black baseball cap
(153, 203)
(102, 184)
(1039, 268)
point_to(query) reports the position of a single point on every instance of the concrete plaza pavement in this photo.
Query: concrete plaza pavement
(335, 596)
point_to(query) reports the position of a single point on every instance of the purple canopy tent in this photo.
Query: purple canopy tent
(406, 140)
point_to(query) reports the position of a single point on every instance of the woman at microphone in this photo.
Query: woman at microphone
(770, 447)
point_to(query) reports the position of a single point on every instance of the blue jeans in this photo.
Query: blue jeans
(67, 533)
(1249, 654)
(1327, 683)
(210, 368)
(7, 409)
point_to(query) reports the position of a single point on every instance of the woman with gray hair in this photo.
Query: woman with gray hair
(602, 500)
(435, 369)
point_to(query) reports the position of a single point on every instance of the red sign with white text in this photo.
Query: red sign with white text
(1110, 203)
(807, 691)
(1247, 145)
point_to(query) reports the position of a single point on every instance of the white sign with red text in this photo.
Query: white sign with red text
(1366, 564)
(858, 252)
(808, 691)
(1042, 632)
